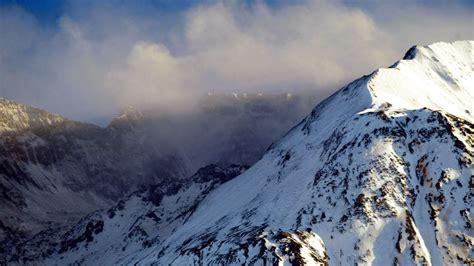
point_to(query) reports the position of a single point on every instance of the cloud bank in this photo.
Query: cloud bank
(98, 59)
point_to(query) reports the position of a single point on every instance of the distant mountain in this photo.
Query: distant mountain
(14, 117)
(54, 171)
(240, 127)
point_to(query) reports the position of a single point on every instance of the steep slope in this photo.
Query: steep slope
(381, 172)
(14, 116)
(53, 170)
(139, 221)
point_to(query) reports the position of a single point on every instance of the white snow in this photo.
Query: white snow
(379, 173)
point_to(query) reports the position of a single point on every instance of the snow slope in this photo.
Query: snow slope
(141, 220)
(14, 116)
(379, 173)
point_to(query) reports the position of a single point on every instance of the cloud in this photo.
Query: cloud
(101, 59)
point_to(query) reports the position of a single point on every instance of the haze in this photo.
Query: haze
(90, 60)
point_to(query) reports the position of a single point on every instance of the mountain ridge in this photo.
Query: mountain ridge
(16, 116)
(368, 177)
(320, 136)
(54, 170)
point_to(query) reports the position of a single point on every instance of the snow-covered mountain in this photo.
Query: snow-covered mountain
(14, 116)
(379, 173)
(141, 220)
(54, 171)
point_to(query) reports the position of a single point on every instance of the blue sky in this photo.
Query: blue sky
(48, 11)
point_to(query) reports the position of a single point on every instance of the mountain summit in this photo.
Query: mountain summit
(15, 116)
(379, 173)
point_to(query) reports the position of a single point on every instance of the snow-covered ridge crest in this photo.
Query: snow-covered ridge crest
(438, 77)
(15, 116)
(378, 171)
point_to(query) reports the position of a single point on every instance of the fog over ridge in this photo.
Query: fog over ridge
(98, 59)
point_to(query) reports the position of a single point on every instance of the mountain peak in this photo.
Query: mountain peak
(377, 172)
(130, 113)
(16, 116)
(437, 76)
(128, 116)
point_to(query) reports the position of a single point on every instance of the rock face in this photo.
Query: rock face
(137, 222)
(53, 169)
(379, 173)
(14, 117)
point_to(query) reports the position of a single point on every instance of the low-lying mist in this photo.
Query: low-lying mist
(224, 128)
